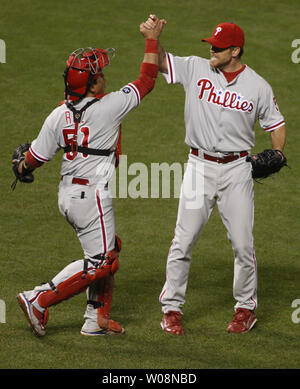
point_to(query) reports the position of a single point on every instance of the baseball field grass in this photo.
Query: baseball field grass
(36, 242)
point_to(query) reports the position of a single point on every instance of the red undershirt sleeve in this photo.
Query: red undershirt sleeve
(148, 73)
(33, 161)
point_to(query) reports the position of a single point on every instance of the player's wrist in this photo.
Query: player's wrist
(26, 166)
(23, 169)
(151, 46)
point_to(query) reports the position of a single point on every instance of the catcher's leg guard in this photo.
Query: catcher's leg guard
(97, 314)
(78, 275)
(106, 287)
(105, 294)
(99, 295)
(72, 280)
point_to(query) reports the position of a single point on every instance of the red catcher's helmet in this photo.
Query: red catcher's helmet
(83, 66)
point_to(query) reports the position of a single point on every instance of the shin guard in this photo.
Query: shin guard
(100, 295)
(73, 285)
(79, 275)
(105, 294)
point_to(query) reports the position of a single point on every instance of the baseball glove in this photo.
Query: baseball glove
(266, 163)
(18, 156)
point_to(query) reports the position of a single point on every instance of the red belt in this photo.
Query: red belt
(226, 159)
(80, 181)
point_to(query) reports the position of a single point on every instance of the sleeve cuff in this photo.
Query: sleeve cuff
(170, 77)
(275, 126)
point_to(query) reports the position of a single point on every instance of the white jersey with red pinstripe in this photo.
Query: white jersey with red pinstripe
(99, 129)
(220, 115)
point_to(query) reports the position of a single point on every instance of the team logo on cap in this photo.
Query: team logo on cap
(218, 29)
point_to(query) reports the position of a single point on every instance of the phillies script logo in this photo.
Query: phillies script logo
(227, 98)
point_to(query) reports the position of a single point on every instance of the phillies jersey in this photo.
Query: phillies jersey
(99, 129)
(220, 115)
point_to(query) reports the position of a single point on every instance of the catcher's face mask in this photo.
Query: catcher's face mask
(83, 66)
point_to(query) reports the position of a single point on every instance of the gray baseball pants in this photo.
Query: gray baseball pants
(205, 184)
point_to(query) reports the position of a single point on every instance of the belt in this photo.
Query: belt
(80, 181)
(75, 180)
(226, 159)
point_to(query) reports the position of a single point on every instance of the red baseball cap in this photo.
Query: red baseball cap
(226, 35)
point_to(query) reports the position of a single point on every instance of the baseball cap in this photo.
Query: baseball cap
(226, 35)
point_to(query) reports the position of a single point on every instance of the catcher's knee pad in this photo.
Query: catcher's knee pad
(111, 261)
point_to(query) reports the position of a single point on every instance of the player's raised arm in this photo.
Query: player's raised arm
(149, 68)
(151, 24)
(151, 52)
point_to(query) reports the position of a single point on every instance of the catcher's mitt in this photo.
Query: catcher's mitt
(18, 156)
(266, 163)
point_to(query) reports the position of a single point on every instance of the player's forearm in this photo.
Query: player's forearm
(159, 57)
(151, 51)
(278, 138)
(148, 28)
(149, 68)
(162, 59)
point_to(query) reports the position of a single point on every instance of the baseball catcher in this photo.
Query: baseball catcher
(86, 126)
(266, 163)
(25, 175)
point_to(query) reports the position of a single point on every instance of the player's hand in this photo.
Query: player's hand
(152, 21)
(152, 28)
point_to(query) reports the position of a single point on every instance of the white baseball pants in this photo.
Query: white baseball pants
(89, 210)
(205, 184)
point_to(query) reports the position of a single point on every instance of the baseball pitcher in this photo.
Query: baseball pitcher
(224, 98)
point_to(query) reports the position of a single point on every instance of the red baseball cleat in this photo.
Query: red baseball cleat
(243, 321)
(36, 319)
(171, 323)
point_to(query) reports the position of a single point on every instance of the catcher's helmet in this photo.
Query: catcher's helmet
(83, 66)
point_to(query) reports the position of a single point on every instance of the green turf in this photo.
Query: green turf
(36, 242)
